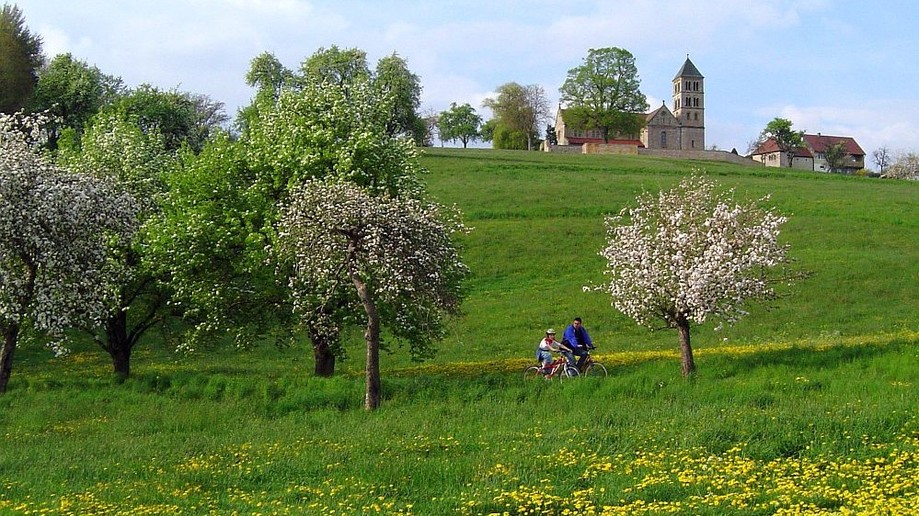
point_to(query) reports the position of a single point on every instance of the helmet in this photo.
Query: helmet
(550, 331)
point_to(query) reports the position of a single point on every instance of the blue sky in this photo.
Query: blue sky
(836, 67)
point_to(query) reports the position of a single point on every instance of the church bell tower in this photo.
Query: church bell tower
(689, 106)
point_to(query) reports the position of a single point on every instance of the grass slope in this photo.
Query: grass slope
(806, 407)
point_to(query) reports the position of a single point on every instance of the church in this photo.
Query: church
(683, 128)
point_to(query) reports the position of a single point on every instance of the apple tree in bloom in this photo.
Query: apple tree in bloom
(391, 256)
(688, 254)
(115, 148)
(55, 229)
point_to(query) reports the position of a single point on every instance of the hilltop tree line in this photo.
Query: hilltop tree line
(602, 93)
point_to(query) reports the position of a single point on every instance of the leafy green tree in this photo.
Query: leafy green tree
(334, 133)
(603, 93)
(487, 130)
(459, 123)
(786, 139)
(210, 240)
(394, 78)
(335, 66)
(393, 254)
(835, 156)
(182, 118)
(55, 229)
(220, 226)
(20, 59)
(117, 150)
(504, 137)
(269, 77)
(520, 109)
(73, 91)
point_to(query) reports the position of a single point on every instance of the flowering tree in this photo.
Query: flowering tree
(115, 148)
(688, 254)
(906, 166)
(218, 231)
(54, 234)
(395, 253)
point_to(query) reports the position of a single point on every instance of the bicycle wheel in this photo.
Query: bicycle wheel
(596, 369)
(569, 372)
(532, 373)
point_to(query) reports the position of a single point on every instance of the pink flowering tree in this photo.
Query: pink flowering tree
(391, 256)
(55, 229)
(688, 254)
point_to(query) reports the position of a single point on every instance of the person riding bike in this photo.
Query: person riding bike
(578, 340)
(547, 346)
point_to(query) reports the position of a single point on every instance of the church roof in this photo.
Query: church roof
(688, 70)
(650, 116)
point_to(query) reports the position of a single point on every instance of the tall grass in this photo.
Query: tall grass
(805, 406)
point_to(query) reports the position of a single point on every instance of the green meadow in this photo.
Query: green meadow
(806, 406)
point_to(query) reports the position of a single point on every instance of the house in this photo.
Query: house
(769, 154)
(680, 129)
(819, 143)
(812, 155)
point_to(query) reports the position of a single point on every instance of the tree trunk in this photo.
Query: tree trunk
(687, 364)
(372, 395)
(119, 345)
(10, 335)
(121, 363)
(322, 353)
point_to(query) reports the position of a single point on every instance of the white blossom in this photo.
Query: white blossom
(54, 231)
(400, 247)
(689, 254)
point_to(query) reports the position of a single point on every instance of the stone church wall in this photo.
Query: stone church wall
(609, 148)
(709, 155)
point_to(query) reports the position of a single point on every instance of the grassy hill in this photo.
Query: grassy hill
(539, 226)
(805, 406)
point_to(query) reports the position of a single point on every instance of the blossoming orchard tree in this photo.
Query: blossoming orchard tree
(114, 148)
(394, 255)
(689, 254)
(54, 234)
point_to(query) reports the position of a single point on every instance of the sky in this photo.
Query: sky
(838, 67)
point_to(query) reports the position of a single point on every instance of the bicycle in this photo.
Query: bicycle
(592, 367)
(558, 368)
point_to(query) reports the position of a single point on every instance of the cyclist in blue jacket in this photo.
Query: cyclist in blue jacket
(577, 338)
